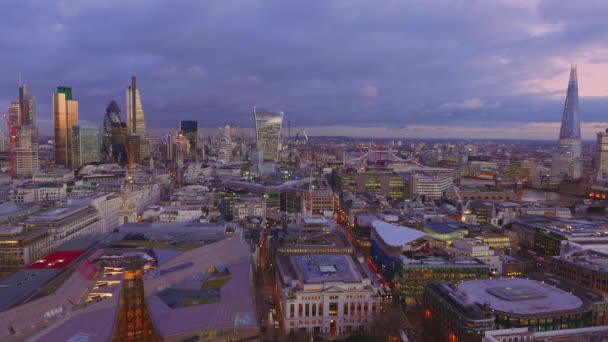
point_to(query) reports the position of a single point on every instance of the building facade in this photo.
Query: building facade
(268, 132)
(65, 115)
(85, 146)
(326, 294)
(567, 161)
(601, 157)
(136, 124)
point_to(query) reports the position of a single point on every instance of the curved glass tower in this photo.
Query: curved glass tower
(268, 132)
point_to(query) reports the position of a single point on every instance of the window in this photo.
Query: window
(291, 310)
(320, 309)
(307, 310)
(333, 309)
(300, 309)
(314, 309)
(345, 309)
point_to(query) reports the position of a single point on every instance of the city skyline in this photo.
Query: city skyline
(407, 70)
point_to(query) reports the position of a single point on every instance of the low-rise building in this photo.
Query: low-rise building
(326, 294)
(464, 311)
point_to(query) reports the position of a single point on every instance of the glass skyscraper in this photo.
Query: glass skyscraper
(190, 130)
(567, 163)
(112, 140)
(85, 146)
(268, 132)
(136, 124)
(65, 115)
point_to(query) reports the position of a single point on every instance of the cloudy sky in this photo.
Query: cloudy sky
(395, 68)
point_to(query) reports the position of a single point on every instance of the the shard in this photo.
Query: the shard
(567, 162)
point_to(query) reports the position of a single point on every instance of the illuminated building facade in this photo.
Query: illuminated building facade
(65, 115)
(268, 132)
(601, 157)
(133, 322)
(136, 124)
(13, 113)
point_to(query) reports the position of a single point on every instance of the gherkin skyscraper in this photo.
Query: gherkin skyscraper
(567, 162)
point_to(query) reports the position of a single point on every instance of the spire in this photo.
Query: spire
(571, 127)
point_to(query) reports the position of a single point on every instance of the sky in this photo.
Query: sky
(368, 68)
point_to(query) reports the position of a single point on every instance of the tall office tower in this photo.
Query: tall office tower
(14, 111)
(601, 157)
(569, 163)
(136, 124)
(133, 322)
(190, 131)
(65, 115)
(110, 119)
(2, 141)
(27, 109)
(26, 154)
(268, 132)
(85, 146)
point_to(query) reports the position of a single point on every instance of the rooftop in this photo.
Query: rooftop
(396, 236)
(517, 296)
(571, 227)
(325, 268)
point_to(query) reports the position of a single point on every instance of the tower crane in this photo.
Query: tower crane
(12, 132)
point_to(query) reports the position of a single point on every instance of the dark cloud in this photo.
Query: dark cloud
(324, 63)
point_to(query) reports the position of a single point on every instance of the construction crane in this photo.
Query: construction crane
(12, 132)
(127, 150)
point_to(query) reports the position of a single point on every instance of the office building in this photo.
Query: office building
(136, 124)
(65, 115)
(543, 236)
(114, 134)
(190, 130)
(14, 115)
(464, 311)
(27, 110)
(326, 293)
(591, 334)
(85, 146)
(413, 259)
(601, 157)
(26, 153)
(567, 161)
(268, 132)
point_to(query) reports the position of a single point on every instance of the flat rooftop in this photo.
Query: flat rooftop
(16, 286)
(517, 296)
(325, 268)
(571, 227)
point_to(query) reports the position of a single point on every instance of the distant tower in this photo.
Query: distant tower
(85, 146)
(601, 157)
(190, 130)
(111, 140)
(65, 115)
(27, 110)
(136, 124)
(568, 163)
(268, 132)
